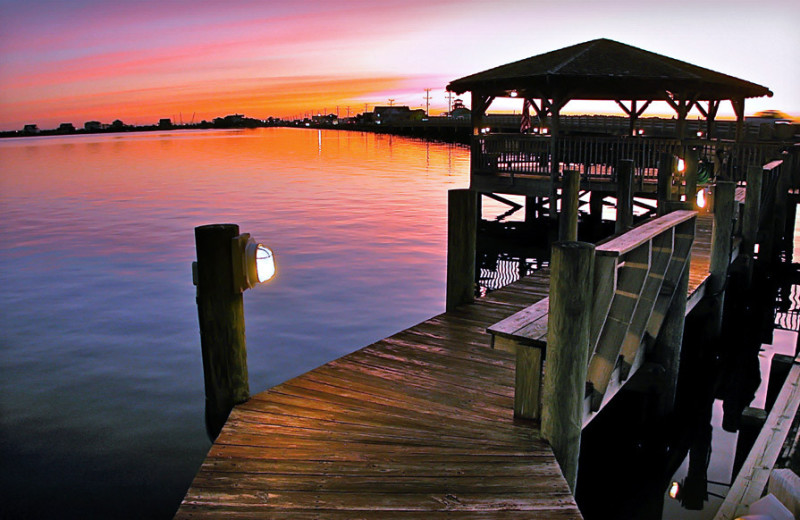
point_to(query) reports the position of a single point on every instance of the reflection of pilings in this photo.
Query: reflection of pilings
(503, 271)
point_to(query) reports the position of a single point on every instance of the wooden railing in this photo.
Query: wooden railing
(597, 157)
(635, 278)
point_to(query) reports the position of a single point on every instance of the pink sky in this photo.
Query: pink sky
(141, 60)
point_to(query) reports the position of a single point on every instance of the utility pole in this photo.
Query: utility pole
(348, 110)
(391, 102)
(427, 101)
(449, 102)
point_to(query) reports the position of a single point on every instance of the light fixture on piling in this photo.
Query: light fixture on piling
(253, 263)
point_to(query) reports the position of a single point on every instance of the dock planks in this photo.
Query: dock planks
(417, 425)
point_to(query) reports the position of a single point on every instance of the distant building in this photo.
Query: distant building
(459, 111)
(329, 119)
(92, 126)
(117, 125)
(165, 123)
(66, 128)
(396, 114)
(30, 129)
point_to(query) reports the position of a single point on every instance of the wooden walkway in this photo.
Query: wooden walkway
(418, 425)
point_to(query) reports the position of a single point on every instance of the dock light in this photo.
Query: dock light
(513, 93)
(681, 165)
(485, 130)
(699, 133)
(702, 198)
(640, 131)
(253, 263)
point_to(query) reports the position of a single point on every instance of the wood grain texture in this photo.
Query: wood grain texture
(418, 425)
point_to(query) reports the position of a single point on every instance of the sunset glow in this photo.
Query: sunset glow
(139, 61)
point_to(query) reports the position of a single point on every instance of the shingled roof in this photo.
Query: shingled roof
(606, 69)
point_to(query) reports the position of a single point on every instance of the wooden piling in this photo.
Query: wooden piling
(724, 201)
(691, 164)
(570, 190)
(221, 313)
(572, 266)
(664, 188)
(624, 196)
(462, 226)
(752, 209)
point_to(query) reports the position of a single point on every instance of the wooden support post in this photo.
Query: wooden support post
(624, 196)
(664, 189)
(779, 368)
(752, 209)
(528, 381)
(782, 201)
(596, 205)
(750, 425)
(462, 227)
(570, 189)
(721, 235)
(692, 163)
(220, 310)
(530, 208)
(571, 279)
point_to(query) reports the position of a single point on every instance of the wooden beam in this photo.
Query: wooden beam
(752, 479)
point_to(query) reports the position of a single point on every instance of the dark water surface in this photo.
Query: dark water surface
(101, 389)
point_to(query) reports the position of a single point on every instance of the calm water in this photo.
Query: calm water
(101, 389)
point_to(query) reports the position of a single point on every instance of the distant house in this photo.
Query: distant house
(66, 128)
(30, 129)
(92, 126)
(165, 123)
(459, 111)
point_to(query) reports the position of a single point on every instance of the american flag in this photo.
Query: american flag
(525, 124)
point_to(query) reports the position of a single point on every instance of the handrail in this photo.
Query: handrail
(641, 234)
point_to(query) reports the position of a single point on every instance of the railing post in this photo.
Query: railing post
(624, 196)
(571, 280)
(462, 227)
(570, 189)
(721, 234)
(220, 310)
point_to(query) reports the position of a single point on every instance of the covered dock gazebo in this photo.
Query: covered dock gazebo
(600, 70)
(608, 70)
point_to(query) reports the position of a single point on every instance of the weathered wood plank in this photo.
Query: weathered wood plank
(417, 425)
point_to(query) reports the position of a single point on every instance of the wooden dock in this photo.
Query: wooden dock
(418, 425)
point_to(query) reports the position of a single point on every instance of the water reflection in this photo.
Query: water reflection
(101, 390)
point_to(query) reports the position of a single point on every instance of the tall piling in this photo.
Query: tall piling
(624, 196)
(462, 228)
(571, 278)
(220, 310)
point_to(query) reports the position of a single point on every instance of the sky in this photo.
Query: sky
(142, 60)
